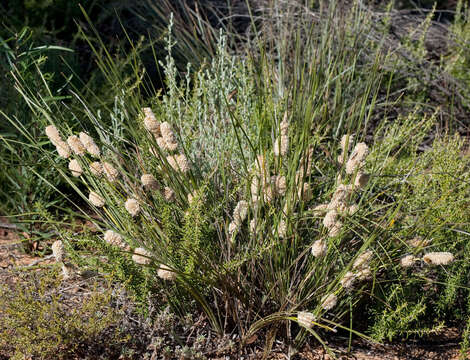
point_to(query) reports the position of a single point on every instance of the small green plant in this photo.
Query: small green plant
(40, 318)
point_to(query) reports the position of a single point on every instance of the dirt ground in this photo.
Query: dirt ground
(444, 346)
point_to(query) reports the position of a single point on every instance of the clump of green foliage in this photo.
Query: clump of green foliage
(43, 319)
(434, 194)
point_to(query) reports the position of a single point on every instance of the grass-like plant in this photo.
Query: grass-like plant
(254, 187)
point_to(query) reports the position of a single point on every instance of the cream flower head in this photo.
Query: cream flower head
(319, 248)
(58, 250)
(305, 319)
(363, 260)
(348, 280)
(63, 149)
(150, 121)
(330, 219)
(53, 134)
(165, 273)
(113, 238)
(281, 145)
(280, 184)
(142, 256)
(329, 302)
(96, 199)
(240, 212)
(357, 158)
(75, 168)
(111, 173)
(438, 258)
(89, 144)
(168, 136)
(96, 168)
(132, 206)
(76, 145)
(149, 182)
(407, 261)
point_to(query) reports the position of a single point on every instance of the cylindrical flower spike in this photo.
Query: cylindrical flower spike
(150, 122)
(305, 319)
(53, 134)
(149, 182)
(132, 206)
(348, 280)
(438, 258)
(63, 149)
(357, 158)
(96, 199)
(240, 212)
(75, 168)
(76, 145)
(89, 144)
(110, 171)
(363, 260)
(407, 261)
(58, 250)
(142, 256)
(329, 302)
(168, 136)
(319, 248)
(165, 273)
(96, 168)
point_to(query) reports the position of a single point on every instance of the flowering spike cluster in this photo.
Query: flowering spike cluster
(89, 144)
(305, 193)
(142, 256)
(75, 168)
(345, 143)
(407, 261)
(61, 146)
(306, 163)
(279, 184)
(348, 280)
(150, 122)
(282, 229)
(132, 206)
(362, 260)
(332, 223)
(361, 271)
